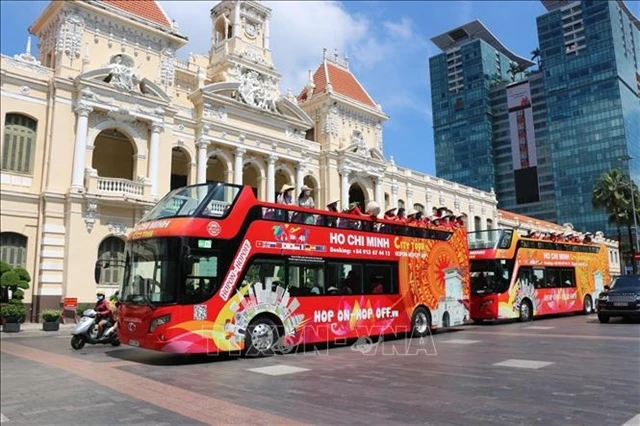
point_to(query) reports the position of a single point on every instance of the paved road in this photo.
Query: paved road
(560, 371)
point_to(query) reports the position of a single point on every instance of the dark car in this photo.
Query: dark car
(620, 299)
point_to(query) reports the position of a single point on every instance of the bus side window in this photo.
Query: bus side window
(538, 277)
(525, 275)
(379, 279)
(568, 277)
(553, 278)
(203, 280)
(344, 278)
(308, 280)
(263, 272)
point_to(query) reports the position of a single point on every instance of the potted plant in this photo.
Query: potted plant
(51, 319)
(12, 314)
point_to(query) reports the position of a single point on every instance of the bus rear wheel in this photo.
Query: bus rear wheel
(260, 338)
(420, 322)
(526, 313)
(587, 305)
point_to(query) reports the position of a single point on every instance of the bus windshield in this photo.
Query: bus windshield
(490, 239)
(152, 271)
(490, 276)
(211, 200)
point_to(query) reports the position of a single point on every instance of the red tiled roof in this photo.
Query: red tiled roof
(528, 220)
(342, 82)
(145, 9)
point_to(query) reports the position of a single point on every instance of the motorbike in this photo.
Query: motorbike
(86, 331)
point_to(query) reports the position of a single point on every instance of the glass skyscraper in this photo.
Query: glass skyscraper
(461, 78)
(554, 131)
(589, 52)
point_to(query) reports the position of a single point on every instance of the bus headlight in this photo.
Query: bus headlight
(603, 298)
(158, 322)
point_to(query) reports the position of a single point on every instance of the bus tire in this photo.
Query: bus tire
(525, 311)
(260, 337)
(587, 305)
(420, 322)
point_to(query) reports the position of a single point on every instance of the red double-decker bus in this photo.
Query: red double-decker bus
(212, 269)
(516, 277)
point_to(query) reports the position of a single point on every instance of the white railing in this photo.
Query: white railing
(118, 186)
(182, 64)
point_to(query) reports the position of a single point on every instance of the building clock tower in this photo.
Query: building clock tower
(240, 42)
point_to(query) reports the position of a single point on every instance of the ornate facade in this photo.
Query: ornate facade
(107, 119)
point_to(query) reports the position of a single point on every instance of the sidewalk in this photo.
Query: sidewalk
(33, 329)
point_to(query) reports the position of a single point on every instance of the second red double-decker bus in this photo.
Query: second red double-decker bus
(519, 277)
(212, 269)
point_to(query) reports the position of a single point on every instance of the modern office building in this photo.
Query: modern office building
(590, 53)
(555, 130)
(461, 78)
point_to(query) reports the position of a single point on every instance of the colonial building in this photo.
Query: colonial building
(106, 120)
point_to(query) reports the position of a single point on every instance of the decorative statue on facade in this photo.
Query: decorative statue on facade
(122, 74)
(257, 90)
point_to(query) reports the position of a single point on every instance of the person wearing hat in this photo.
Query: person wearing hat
(588, 237)
(286, 194)
(401, 215)
(305, 199)
(103, 312)
(329, 220)
(390, 214)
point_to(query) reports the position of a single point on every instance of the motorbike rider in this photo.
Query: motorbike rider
(103, 312)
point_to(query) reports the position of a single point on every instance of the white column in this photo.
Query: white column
(394, 195)
(379, 195)
(202, 161)
(344, 195)
(271, 178)
(409, 205)
(154, 152)
(299, 177)
(239, 164)
(77, 180)
(266, 33)
(236, 20)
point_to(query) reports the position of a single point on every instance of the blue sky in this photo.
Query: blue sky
(388, 44)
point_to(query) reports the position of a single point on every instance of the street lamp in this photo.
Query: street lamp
(626, 159)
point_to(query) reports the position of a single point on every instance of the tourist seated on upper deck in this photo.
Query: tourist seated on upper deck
(390, 214)
(414, 218)
(353, 210)
(286, 195)
(460, 221)
(588, 237)
(434, 212)
(373, 210)
(305, 200)
(401, 216)
(328, 220)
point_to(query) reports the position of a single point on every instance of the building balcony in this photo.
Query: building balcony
(117, 188)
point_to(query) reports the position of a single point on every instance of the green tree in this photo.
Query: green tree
(535, 55)
(612, 193)
(15, 279)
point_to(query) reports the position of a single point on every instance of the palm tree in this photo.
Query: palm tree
(514, 69)
(612, 192)
(535, 55)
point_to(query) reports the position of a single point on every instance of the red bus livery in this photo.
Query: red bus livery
(212, 269)
(520, 277)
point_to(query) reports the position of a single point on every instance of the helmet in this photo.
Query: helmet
(100, 293)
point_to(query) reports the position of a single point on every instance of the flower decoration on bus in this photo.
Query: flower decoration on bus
(363, 316)
(559, 300)
(519, 292)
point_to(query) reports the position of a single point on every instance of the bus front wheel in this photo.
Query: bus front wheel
(261, 336)
(420, 322)
(526, 312)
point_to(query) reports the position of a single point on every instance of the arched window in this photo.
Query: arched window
(111, 251)
(489, 224)
(13, 249)
(477, 223)
(400, 204)
(19, 144)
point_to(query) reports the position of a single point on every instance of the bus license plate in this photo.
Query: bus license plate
(134, 343)
(620, 304)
